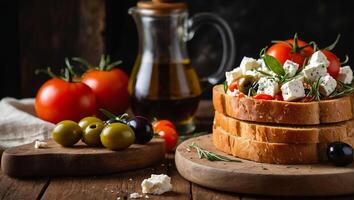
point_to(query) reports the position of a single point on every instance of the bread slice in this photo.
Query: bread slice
(282, 112)
(276, 153)
(285, 134)
(267, 152)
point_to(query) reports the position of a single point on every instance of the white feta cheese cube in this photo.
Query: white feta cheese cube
(318, 57)
(267, 86)
(300, 77)
(248, 64)
(345, 74)
(40, 144)
(293, 90)
(290, 68)
(264, 68)
(327, 85)
(313, 72)
(233, 75)
(156, 184)
(135, 195)
(253, 73)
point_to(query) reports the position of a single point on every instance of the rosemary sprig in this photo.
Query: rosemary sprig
(314, 92)
(202, 153)
(253, 89)
(347, 89)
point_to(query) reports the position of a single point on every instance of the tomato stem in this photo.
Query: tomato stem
(345, 61)
(47, 71)
(85, 65)
(331, 47)
(113, 116)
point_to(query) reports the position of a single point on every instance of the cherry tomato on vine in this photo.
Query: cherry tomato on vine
(293, 49)
(334, 63)
(59, 100)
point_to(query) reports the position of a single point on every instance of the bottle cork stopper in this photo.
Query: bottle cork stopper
(162, 5)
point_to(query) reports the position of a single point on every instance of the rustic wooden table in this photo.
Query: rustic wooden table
(123, 184)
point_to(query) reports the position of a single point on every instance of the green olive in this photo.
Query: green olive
(91, 135)
(67, 133)
(83, 123)
(245, 83)
(117, 136)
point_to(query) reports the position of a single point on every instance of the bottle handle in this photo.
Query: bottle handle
(227, 39)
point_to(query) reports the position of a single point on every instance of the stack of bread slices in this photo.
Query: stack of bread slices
(280, 132)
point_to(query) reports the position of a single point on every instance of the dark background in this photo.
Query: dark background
(40, 33)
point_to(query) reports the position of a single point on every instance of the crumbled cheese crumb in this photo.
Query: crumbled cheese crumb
(40, 144)
(345, 74)
(135, 195)
(156, 184)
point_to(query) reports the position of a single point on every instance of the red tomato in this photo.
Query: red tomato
(334, 63)
(170, 136)
(58, 100)
(283, 52)
(159, 125)
(241, 95)
(110, 88)
(263, 96)
(279, 97)
(233, 86)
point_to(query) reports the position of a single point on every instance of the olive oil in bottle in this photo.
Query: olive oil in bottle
(165, 91)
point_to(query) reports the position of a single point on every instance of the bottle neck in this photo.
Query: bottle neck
(162, 37)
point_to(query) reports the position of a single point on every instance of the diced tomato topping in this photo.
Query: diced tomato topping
(263, 96)
(279, 97)
(233, 86)
(241, 95)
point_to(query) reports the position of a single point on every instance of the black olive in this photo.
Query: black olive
(340, 154)
(245, 83)
(142, 128)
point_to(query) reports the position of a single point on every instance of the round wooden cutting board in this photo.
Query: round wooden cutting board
(55, 160)
(251, 177)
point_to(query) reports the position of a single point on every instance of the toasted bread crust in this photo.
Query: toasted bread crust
(282, 112)
(285, 134)
(276, 153)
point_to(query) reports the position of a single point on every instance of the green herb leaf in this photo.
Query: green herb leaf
(347, 89)
(273, 64)
(225, 87)
(264, 73)
(202, 153)
(314, 90)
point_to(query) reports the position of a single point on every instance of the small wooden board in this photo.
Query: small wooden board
(55, 160)
(251, 177)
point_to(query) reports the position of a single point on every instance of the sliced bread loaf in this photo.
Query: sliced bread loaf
(282, 112)
(274, 133)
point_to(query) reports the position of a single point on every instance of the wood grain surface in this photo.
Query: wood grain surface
(25, 160)
(262, 179)
(124, 183)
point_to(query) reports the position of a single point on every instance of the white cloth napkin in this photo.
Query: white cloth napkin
(19, 124)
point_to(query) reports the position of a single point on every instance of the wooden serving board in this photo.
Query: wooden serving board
(55, 160)
(251, 177)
